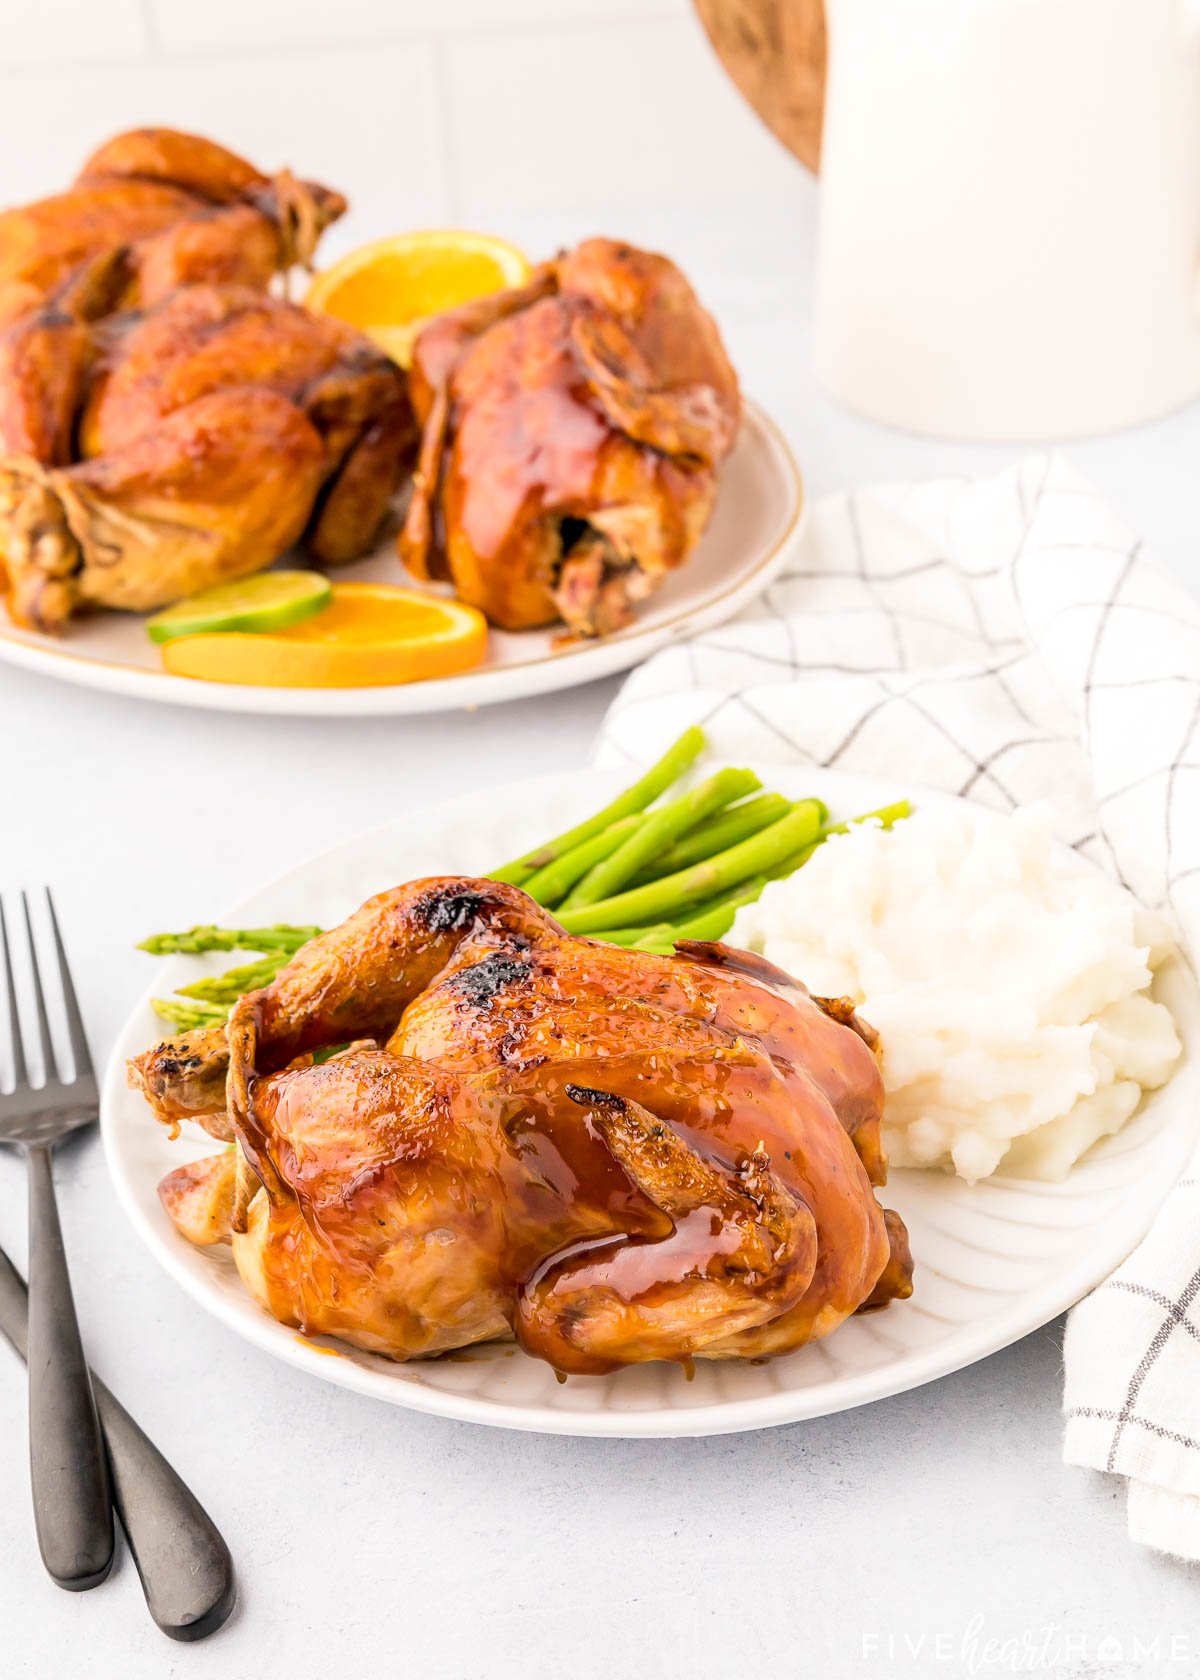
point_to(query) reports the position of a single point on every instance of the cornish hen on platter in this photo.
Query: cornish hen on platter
(152, 210)
(152, 453)
(572, 435)
(454, 1121)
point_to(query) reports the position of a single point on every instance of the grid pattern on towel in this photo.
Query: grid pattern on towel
(1006, 640)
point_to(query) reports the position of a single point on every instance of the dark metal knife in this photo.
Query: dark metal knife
(185, 1567)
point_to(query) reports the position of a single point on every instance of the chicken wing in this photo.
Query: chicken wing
(616, 1155)
(572, 435)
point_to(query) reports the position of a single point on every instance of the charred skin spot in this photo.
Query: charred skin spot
(479, 982)
(170, 1067)
(449, 910)
(586, 1097)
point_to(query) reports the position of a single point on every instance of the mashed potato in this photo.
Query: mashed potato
(1007, 980)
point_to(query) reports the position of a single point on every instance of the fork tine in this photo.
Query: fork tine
(79, 1044)
(49, 1068)
(20, 1071)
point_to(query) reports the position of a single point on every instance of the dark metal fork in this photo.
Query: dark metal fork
(184, 1565)
(72, 1503)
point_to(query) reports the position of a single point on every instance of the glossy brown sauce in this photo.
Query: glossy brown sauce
(526, 438)
(619, 1156)
(572, 435)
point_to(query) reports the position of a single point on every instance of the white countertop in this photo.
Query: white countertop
(369, 1538)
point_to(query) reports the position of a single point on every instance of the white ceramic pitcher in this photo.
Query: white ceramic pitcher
(1010, 214)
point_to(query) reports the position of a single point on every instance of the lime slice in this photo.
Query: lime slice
(267, 601)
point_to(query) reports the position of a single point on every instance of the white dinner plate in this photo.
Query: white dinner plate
(756, 526)
(993, 1261)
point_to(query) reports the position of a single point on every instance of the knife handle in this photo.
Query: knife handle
(184, 1564)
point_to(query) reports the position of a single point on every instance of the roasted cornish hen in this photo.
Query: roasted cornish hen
(572, 435)
(616, 1156)
(152, 210)
(152, 453)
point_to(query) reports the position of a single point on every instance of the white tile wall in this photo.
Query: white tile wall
(184, 25)
(541, 118)
(640, 113)
(364, 121)
(53, 31)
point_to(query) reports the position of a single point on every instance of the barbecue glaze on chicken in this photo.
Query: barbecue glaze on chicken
(572, 434)
(154, 453)
(616, 1156)
(164, 423)
(152, 210)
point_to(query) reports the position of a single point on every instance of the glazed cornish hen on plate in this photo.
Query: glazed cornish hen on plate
(149, 211)
(166, 423)
(170, 426)
(573, 431)
(174, 448)
(616, 1156)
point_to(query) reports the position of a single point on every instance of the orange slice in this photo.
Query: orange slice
(390, 288)
(369, 634)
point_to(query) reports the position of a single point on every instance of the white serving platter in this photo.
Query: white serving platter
(757, 524)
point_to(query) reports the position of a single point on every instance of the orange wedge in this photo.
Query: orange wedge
(390, 288)
(369, 634)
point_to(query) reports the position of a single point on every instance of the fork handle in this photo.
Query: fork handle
(184, 1564)
(72, 1505)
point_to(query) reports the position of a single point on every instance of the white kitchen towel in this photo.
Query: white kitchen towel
(1008, 640)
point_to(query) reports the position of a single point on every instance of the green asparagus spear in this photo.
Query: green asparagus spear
(887, 815)
(709, 921)
(717, 834)
(789, 866)
(282, 937)
(665, 899)
(642, 937)
(714, 926)
(227, 988)
(659, 829)
(714, 920)
(643, 792)
(552, 884)
(184, 1015)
